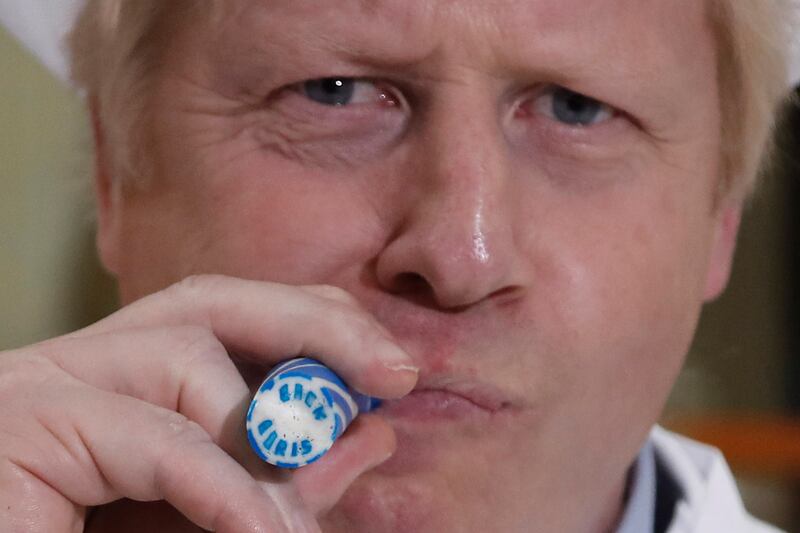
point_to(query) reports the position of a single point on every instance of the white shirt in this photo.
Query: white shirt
(710, 501)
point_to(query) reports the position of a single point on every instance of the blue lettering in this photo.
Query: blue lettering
(305, 447)
(264, 426)
(270, 440)
(280, 449)
(310, 398)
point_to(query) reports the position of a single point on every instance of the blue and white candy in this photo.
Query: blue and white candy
(299, 411)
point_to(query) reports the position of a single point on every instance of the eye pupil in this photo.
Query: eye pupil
(575, 104)
(574, 108)
(330, 91)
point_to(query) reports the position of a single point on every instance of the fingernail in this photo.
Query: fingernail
(401, 367)
(394, 358)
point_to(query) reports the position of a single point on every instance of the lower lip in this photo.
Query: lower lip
(434, 406)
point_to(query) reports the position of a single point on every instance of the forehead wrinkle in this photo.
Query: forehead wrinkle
(635, 44)
(560, 41)
(382, 33)
(377, 31)
(527, 32)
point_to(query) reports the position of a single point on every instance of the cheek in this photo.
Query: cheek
(289, 227)
(620, 282)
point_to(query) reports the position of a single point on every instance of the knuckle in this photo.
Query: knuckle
(183, 432)
(22, 370)
(333, 292)
(178, 439)
(200, 353)
(196, 284)
(197, 342)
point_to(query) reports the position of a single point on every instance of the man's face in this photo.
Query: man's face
(542, 255)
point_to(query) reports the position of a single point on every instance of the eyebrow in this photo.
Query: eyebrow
(391, 37)
(379, 39)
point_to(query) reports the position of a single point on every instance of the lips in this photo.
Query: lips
(448, 398)
(443, 415)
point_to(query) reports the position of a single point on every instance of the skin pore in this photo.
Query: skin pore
(542, 256)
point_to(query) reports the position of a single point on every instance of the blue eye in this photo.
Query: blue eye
(575, 109)
(330, 91)
(342, 91)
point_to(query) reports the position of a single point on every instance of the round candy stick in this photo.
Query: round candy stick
(299, 411)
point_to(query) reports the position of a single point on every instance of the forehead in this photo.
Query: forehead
(644, 53)
(418, 28)
(663, 48)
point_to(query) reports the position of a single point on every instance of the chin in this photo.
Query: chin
(381, 503)
(438, 480)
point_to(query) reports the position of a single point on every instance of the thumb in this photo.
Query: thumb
(368, 442)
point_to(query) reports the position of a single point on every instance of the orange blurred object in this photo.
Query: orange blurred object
(758, 444)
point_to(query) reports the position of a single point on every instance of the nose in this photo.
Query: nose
(454, 246)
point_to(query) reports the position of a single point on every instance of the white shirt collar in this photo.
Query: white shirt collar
(641, 506)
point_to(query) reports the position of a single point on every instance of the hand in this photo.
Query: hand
(148, 405)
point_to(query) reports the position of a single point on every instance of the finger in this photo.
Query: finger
(368, 442)
(102, 446)
(28, 505)
(272, 322)
(337, 294)
(333, 293)
(183, 369)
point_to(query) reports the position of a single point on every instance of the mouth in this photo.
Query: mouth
(442, 399)
(443, 416)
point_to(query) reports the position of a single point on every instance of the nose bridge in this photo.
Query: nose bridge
(458, 235)
(467, 169)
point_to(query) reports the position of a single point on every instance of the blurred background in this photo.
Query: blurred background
(740, 389)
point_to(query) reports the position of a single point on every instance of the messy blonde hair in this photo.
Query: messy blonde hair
(754, 46)
(114, 51)
(116, 44)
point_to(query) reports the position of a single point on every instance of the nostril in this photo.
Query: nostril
(410, 282)
(416, 288)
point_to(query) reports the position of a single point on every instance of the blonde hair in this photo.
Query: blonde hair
(115, 47)
(114, 51)
(754, 46)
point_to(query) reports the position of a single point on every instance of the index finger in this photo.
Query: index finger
(271, 322)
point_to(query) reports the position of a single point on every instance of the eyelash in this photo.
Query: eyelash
(386, 96)
(541, 104)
